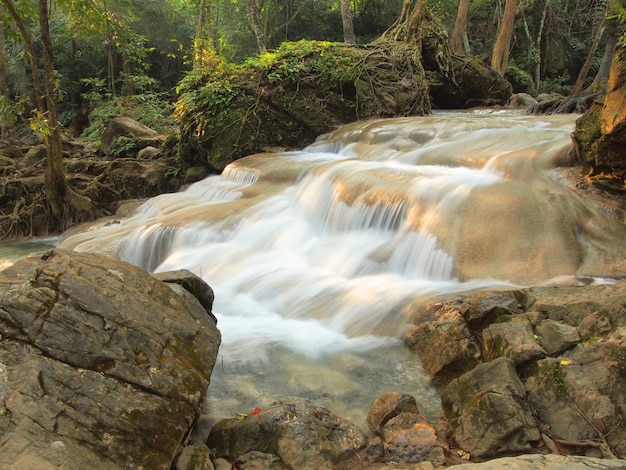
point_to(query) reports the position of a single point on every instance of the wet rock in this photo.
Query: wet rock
(388, 406)
(259, 461)
(487, 411)
(409, 438)
(300, 433)
(195, 456)
(442, 340)
(101, 364)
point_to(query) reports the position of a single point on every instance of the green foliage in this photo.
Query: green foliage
(556, 85)
(521, 80)
(151, 109)
(12, 110)
(328, 61)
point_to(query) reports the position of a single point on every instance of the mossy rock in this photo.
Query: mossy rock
(587, 133)
(291, 96)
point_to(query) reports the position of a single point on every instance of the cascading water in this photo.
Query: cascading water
(314, 254)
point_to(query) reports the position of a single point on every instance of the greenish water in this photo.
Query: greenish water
(10, 252)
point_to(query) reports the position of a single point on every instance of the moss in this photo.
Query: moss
(553, 373)
(587, 133)
(290, 96)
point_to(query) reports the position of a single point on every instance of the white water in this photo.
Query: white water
(314, 254)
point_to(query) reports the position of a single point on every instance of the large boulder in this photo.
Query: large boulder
(101, 364)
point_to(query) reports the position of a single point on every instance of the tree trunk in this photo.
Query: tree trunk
(30, 52)
(500, 56)
(458, 33)
(110, 62)
(584, 71)
(348, 23)
(129, 88)
(613, 32)
(55, 183)
(255, 17)
(3, 79)
(205, 31)
(65, 204)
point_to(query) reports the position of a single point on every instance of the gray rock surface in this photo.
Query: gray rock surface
(487, 410)
(102, 366)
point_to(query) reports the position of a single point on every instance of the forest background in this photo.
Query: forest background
(109, 49)
(100, 59)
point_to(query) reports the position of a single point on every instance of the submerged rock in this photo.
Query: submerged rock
(101, 364)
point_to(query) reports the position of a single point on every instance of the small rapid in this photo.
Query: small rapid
(314, 254)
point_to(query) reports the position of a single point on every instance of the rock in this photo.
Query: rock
(474, 84)
(259, 461)
(514, 339)
(195, 456)
(149, 153)
(101, 364)
(544, 462)
(127, 127)
(542, 97)
(522, 100)
(595, 325)
(192, 284)
(409, 438)
(488, 307)
(600, 134)
(388, 406)
(487, 412)
(302, 435)
(581, 397)
(442, 340)
(556, 337)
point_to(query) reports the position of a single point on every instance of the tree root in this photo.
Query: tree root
(573, 104)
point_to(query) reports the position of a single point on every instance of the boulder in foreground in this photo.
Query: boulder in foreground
(101, 364)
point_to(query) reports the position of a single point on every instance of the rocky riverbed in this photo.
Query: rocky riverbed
(107, 366)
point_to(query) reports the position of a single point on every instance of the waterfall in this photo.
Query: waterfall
(313, 254)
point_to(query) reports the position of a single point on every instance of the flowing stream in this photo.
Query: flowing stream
(314, 254)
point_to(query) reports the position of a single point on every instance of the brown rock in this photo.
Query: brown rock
(388, 406)
(101, 364)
